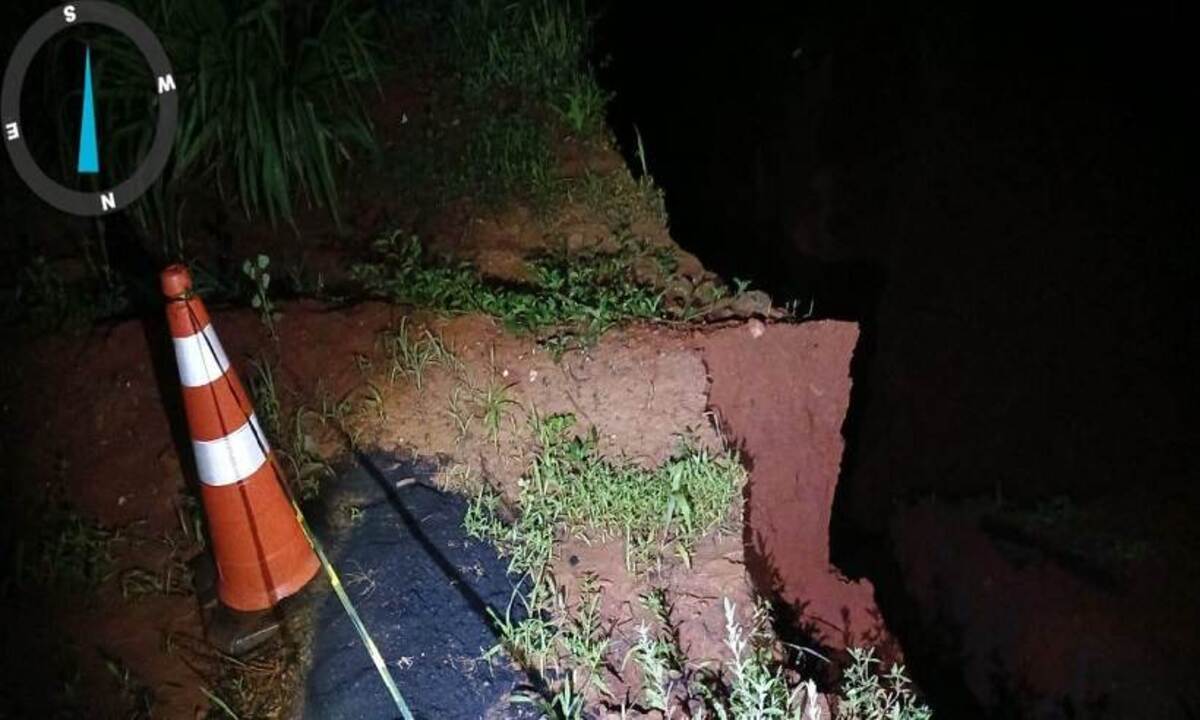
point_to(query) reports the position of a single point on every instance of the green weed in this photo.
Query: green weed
(523, 75)
(260, 283)
(566, 702)
(867, 695)
(581, 105)
(505, 157)
(535, 47)
(531, 641)
(293, 443)
(273, 100)
(309, 468)
(411, 357)
(265, 395)
(571, 299)
(42, 297)
(459, 411)
(583, 639)
(571, 486)
(69, 553)
(494, 405)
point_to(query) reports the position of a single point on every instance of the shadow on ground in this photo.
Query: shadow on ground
(422, 588)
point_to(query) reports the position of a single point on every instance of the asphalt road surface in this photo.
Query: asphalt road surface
(422, 588)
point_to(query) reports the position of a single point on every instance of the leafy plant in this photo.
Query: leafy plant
(260, 282)
(274, 100)
(867, 695)
(657, 659)
(756, 690)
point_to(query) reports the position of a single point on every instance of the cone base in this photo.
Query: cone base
(238, 599)
(260, 551)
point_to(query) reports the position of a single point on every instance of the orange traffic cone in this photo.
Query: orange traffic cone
(261, 553)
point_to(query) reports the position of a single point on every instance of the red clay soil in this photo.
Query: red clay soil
(85, 419)
(97, 426)
(786, 416)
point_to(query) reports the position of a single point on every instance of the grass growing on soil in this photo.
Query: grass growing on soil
(290, 437)
(570, 489)
(411, 357)
(575, 297)
(523, 81)
(67, 552)
(276, 102)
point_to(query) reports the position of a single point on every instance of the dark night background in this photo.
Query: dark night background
(1002, 196)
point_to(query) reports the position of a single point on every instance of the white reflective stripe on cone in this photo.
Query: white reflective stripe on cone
(233, 458)
(197, 366)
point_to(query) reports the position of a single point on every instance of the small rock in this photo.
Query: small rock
(756, 327)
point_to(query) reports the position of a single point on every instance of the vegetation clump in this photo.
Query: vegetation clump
(570, 298)
(570, 490)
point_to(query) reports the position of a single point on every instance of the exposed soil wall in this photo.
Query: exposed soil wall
(781, 398)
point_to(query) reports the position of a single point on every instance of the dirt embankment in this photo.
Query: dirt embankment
(782, 397)
(93, 420)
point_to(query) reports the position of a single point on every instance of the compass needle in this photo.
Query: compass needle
(89, 155)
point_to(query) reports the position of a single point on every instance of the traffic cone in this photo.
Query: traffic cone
(261, 553)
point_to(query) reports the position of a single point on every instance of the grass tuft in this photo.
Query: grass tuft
(570, 486)
(411, 357)
(274, 101)
(572, 298)
(66, 553)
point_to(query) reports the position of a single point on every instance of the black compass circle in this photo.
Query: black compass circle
(63, 17)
